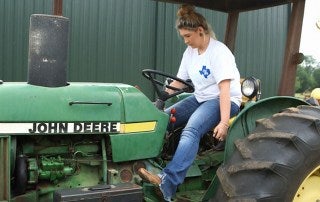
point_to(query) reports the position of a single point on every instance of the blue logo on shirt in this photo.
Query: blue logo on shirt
(205, 72)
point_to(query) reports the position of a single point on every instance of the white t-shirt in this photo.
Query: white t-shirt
(217, 63)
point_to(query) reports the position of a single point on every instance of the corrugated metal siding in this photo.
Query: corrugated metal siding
(260, 46)
(14, 35)
(113, 40)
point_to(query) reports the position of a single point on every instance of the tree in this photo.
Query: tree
(316, 76)
(308, 75)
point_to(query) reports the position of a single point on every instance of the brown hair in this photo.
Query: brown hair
(188, 18)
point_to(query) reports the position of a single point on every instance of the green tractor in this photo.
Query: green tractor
(68, 141)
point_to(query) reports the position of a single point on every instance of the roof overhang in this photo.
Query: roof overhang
(231, 5)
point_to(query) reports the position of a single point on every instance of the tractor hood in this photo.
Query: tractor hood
(118, 110)
(84, 103)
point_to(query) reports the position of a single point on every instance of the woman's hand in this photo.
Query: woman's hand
(220, 131)
(175, 84)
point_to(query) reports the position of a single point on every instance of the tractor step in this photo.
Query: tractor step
(125, 192)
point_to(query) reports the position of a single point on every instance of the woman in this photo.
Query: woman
(212, 68)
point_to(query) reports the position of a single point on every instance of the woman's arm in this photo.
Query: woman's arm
(221, 129)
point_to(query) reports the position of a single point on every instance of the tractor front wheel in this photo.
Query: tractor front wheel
(279, 161)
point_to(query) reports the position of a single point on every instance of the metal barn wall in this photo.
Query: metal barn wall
(260, 47)
(14, 30)
(113, 40)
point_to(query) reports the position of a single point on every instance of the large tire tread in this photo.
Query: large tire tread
(271, 163)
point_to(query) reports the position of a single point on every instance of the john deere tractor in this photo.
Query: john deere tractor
(68, 141)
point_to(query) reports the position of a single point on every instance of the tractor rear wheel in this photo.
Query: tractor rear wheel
(279, 161)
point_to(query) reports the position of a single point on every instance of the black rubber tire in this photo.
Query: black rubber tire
(271, 163)
(21, 175)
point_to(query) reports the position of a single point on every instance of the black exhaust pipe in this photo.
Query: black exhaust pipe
(48, 50)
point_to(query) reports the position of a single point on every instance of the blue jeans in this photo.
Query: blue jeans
(200, 118)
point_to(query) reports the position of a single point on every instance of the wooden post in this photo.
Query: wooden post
(57, 7)
(289, 69)
(231, 30)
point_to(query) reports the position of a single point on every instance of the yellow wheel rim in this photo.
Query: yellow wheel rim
(309, 190)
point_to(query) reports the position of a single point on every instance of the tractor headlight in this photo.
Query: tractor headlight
(250, 87)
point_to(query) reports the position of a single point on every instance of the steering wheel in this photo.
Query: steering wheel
(162, 94)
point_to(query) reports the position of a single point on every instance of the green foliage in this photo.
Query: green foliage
(308, 75)
(316, 76)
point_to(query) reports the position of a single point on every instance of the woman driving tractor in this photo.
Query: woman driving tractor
(211, 67)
